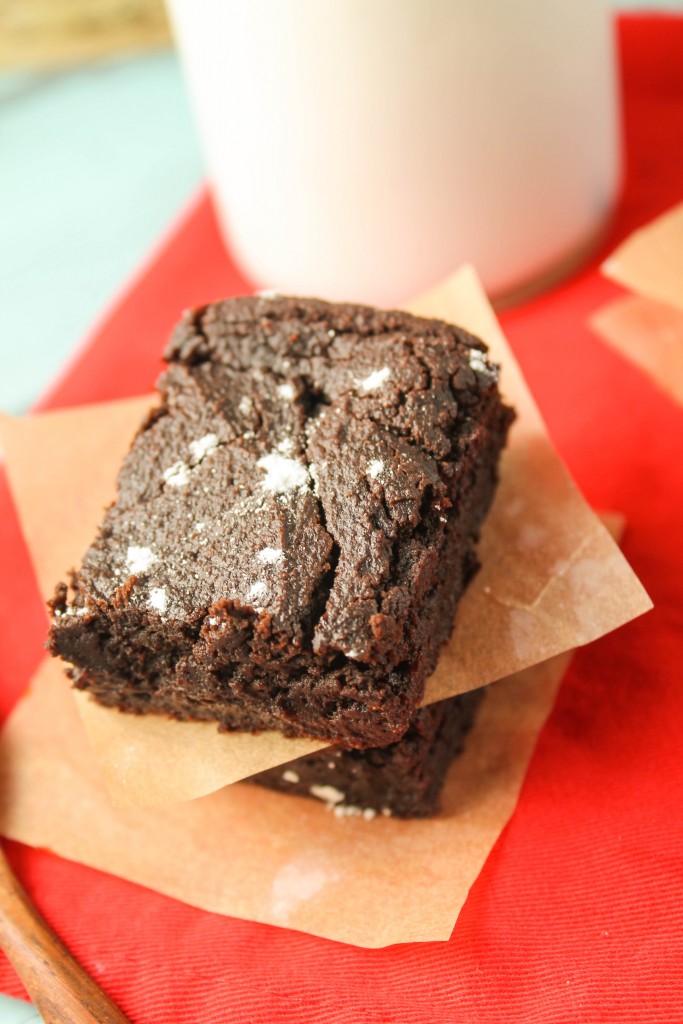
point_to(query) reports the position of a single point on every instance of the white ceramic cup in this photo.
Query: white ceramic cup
(362, 149)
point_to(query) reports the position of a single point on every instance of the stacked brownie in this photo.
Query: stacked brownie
(294, 527)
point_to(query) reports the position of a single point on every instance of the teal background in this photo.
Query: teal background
(94, 165)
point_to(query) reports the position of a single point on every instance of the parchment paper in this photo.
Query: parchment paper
(552, 577)
(648, 334)
(647, 327)
(650, 261)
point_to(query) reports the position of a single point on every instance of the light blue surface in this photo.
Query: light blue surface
(12, 1011)
(95, 163)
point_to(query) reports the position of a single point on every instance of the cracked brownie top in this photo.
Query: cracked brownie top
(293, 504)
(237, 490)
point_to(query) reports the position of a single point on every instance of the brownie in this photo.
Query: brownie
(295, 523)
(403, 779)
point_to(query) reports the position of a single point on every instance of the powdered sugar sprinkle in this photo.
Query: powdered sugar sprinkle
(330, 794)
(158, 599)
(351, 811)
(139, 559)
(206, 445)
(257, 591)
(271, 556)
(282, 474)
(479, 363)
(177, 475)
(375, 380)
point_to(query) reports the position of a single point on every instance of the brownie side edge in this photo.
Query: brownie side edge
(402, 780)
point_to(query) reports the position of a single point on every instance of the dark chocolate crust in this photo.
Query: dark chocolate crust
(294, 525)
(403, 780)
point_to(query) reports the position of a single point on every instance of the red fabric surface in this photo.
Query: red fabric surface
(577, 915)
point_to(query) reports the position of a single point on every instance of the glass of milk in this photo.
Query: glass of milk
(363, 149)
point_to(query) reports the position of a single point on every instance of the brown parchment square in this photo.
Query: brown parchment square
(647, 327)
(650, 261)
(648, 334)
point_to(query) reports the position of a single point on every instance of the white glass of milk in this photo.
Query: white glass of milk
(363, 149)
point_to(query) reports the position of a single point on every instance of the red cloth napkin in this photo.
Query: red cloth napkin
(577, 915)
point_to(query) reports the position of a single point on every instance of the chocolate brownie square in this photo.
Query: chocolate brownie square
(294, 525)
(403, 780)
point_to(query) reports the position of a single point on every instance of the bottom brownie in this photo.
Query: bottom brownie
(403, 780)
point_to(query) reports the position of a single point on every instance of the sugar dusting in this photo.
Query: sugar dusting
(177, 475)
(158, 599)
(286, 392)
(282, 474)
(375, 468)
(204, 446)
(83, 610)
(375, 380)
(351, 811)
(480, 364)
(271, 556)
(330, 794)
(478, 359)
(290, 776)
(257, 591)
(139, 559)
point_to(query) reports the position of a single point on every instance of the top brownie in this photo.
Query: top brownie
(294, 524)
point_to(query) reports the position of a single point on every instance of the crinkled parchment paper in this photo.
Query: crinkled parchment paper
(650, 261)
(647, 327)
